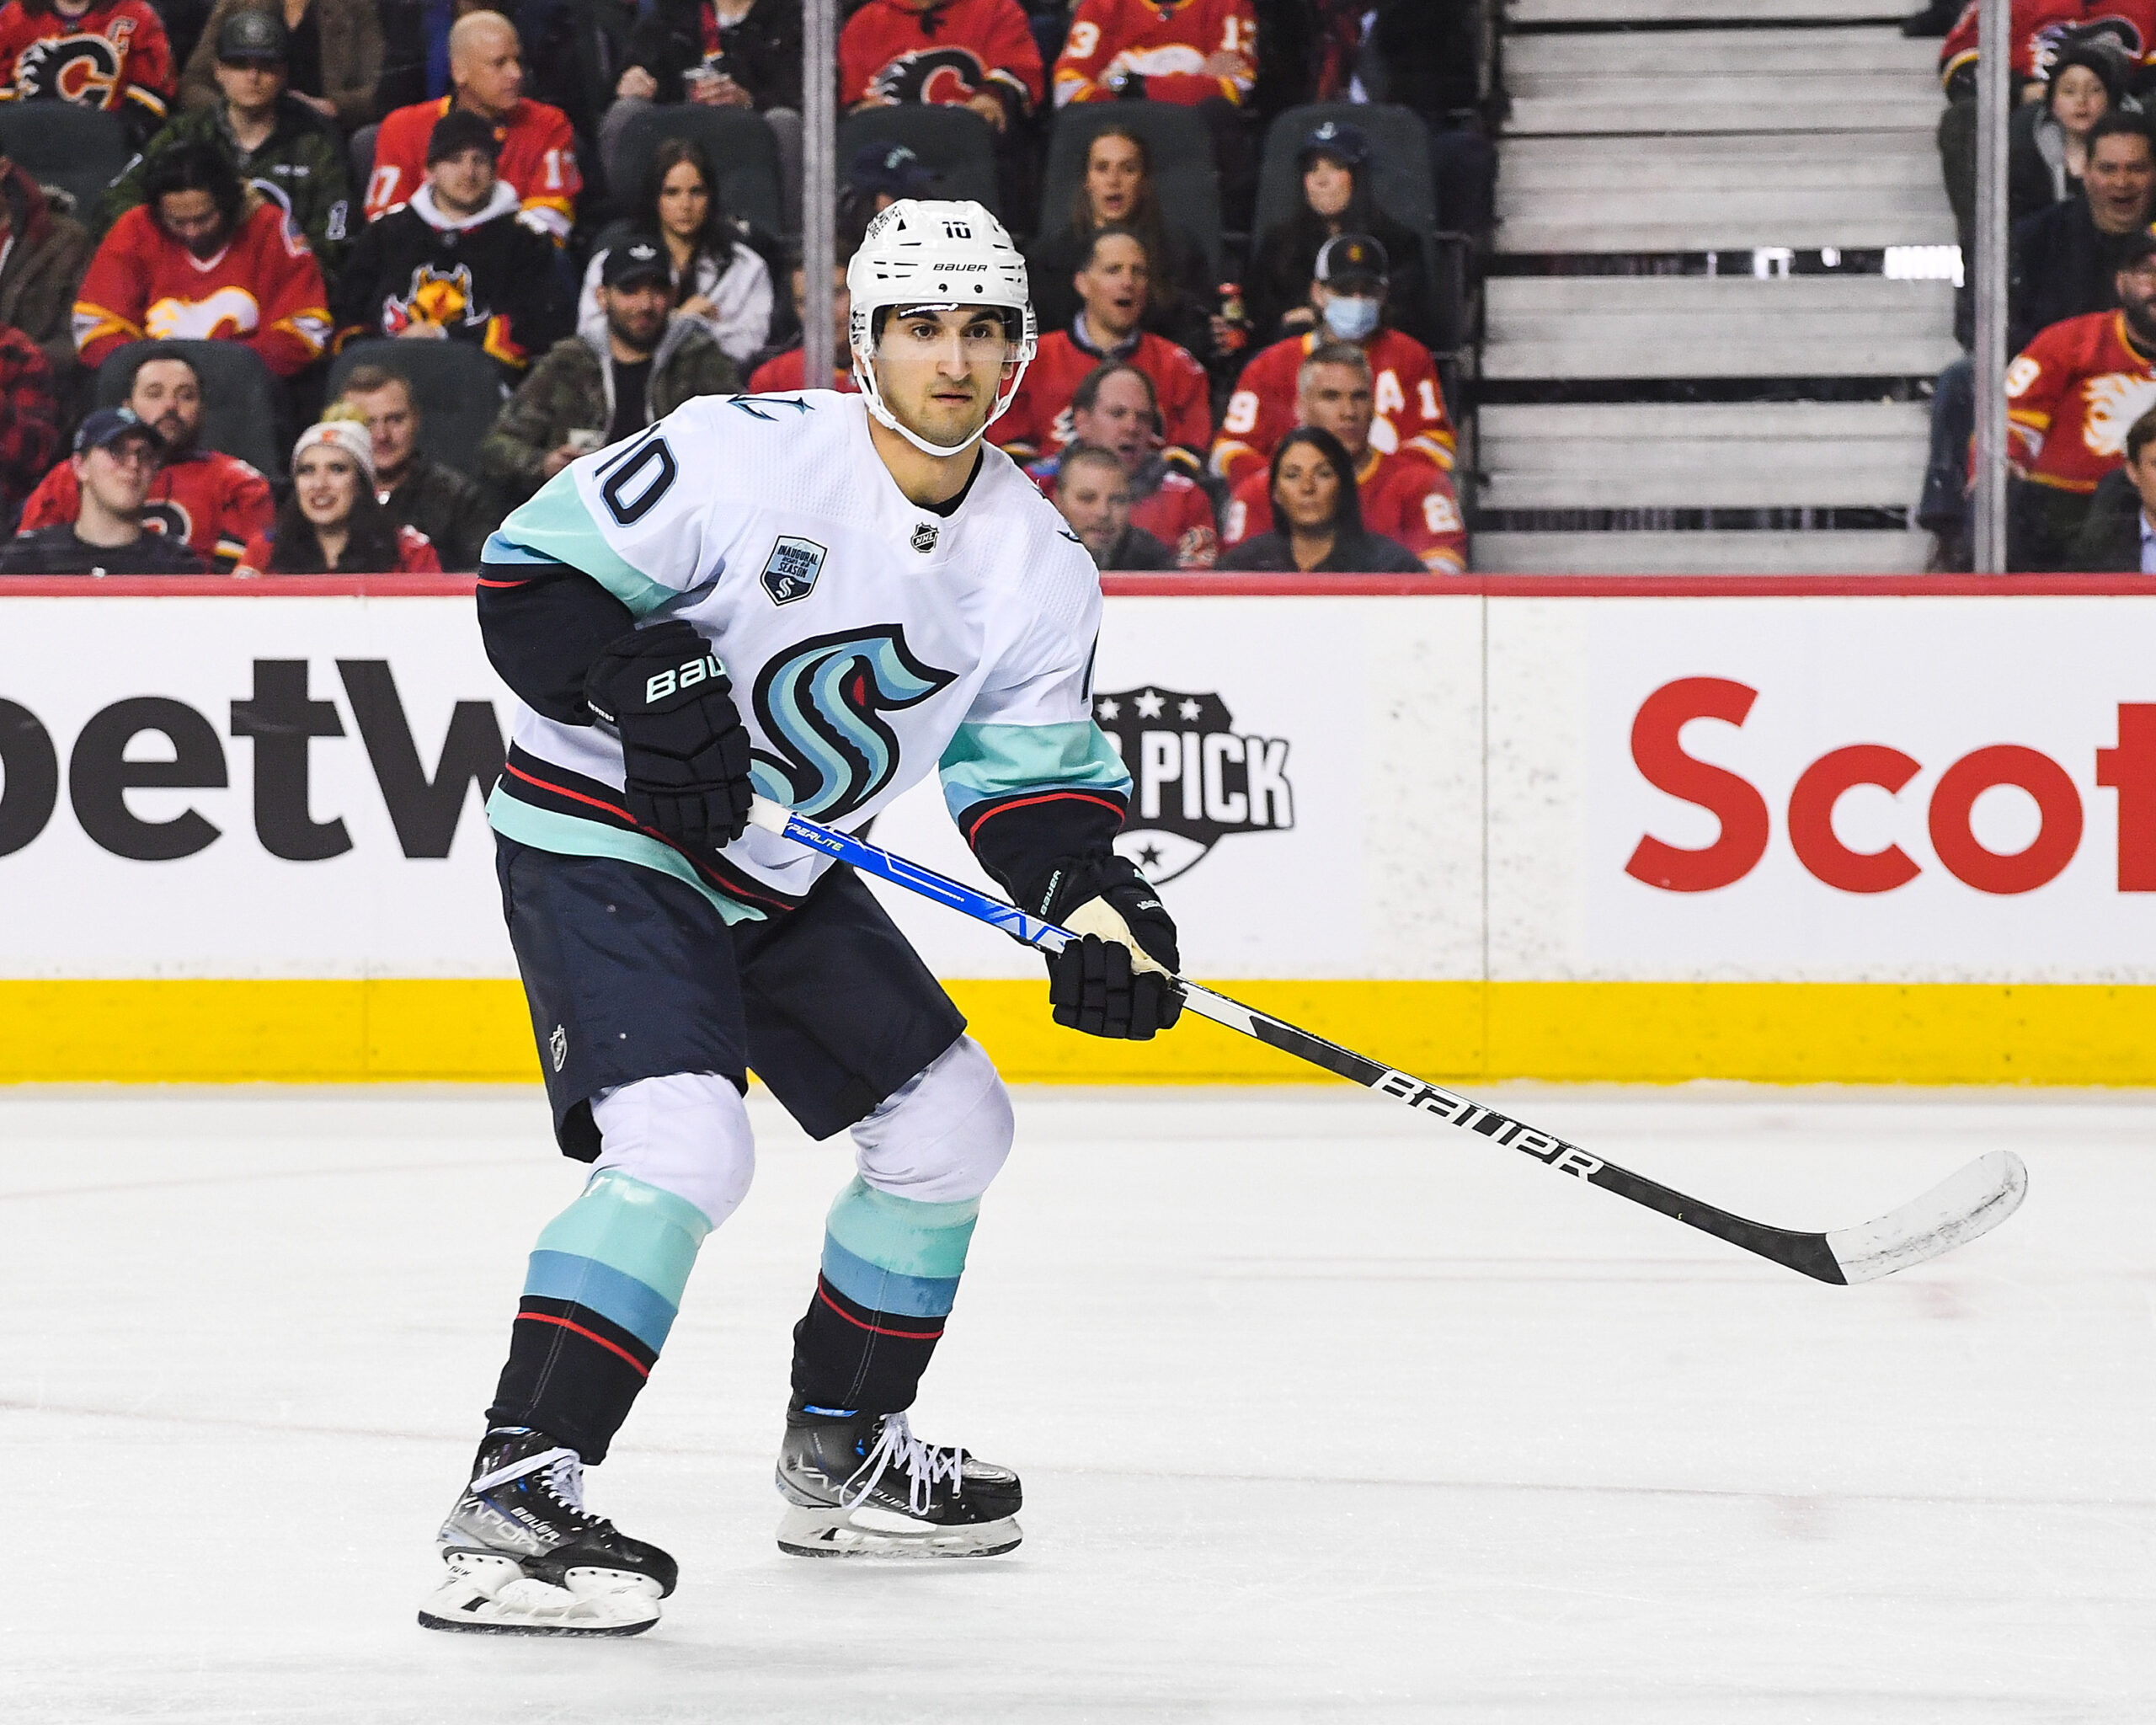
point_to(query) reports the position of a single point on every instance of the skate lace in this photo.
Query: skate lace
(924, 1463)
(564, 1472)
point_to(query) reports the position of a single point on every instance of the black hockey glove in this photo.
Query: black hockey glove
(685, 747)
(1117, 978)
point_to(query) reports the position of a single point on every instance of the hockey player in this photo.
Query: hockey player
(816, 597)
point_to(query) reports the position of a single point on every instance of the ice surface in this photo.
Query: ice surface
(1325, 1413)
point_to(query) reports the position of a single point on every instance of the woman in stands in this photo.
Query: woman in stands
(717, 280)
(1335, 164)
(1118, 189)
(2050, 147)
(331, 524)
(1318, 518)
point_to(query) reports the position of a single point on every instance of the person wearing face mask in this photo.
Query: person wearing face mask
(1347, 300)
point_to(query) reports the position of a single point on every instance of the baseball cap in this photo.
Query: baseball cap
(108, 425)
(637, 261)
(2138, 248)
(1353, 258)
(247, 35)
(1343, 139)
(889, 167)
(458, 131)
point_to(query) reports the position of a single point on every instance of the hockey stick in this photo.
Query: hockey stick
(1958, 1209)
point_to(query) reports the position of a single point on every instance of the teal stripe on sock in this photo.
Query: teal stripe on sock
(886, 1290)
(645, 1315)
(648, 1235)
(901, 1234)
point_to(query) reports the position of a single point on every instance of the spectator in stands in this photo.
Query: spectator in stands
(43, 253)
(744, 54)
(458, 262)
(717, 280)
(416, 50)
(1113, 287)
(1428, 55)
(1312, 487)
(2072, 394)
(108, 54)
(1349, 294)
(29, 422)
(1201, 54)
(211, 502)
(1336, 170)
(332, 62)
(1406, 499)
(2049, 151)
(426, 496)
(204, 258)
(115, 454)
(594, 389)
(1118, 191)
(2119, 536)
(1115, 409)
(538, 148)
(331, 523)
(784, 371)
(276, 141)
(1092, 490)
(881, 172)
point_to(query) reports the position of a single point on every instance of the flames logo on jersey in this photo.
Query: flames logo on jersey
(2114, 401)
(1194, 777)
(945, 74)
(84, 70)
(227, 312)
(441, 297)
(164, 516)
(819, 703)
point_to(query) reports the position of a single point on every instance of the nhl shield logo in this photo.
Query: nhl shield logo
(924, 536)
(790, 572)
(1195, 778)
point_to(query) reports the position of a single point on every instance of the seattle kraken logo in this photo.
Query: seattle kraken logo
(820, 704)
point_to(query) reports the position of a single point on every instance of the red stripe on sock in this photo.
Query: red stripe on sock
(874, 1329)
(547, 1317)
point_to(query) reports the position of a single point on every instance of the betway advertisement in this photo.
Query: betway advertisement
(1449, 787)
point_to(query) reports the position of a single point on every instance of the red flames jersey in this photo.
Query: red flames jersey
(1039, 419)
(890, 53)
(538, 159)
(781, 375)
(263, 289)
(114, 55)
(1411, 405)
(213, 503)
(2040, 29)
(1166, 42)
(1402, 497)
(2072, 395)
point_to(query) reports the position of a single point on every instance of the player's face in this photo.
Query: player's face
(250, 85)
(1337, 399)
(194, 220)
(684, 200)
(1121, 420)
(1307, 493)
(2120, 173)
(1114, 284)
(117, 476)
(463, 182)
(490, 76)
(1095, 498)
(167, 399)
(326, 483)
(1327, 186)
(940, 370)
(392, 425)
(1115, 175)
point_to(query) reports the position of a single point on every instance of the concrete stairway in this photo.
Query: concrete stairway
(1809, 128)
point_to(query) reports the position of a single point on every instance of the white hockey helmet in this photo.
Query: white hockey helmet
(923, 252)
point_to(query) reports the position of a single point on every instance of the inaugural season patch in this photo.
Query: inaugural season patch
(790, 572)
(1195, 777)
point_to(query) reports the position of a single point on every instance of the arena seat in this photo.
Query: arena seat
(359, 153)
(1183, 173)
(953, 143)
(79, 151)
(240, 410)
(458, 389)
(738, 142)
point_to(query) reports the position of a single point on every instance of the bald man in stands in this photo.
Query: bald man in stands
(538, 158)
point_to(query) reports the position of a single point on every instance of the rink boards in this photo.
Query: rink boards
(1786, 830)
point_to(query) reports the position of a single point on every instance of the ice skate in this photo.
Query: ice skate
(525, 1558)
(863, 1486)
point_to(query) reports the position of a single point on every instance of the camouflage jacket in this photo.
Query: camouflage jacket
(571, 389)
(301, 167)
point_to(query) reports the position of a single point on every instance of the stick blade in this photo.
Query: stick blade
(1963, 1207)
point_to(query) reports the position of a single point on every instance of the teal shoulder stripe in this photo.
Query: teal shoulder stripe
(555, 523)
(497, 549)
(564, 835)
(990, 761)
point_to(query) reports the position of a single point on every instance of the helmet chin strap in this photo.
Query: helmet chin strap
(864, 374)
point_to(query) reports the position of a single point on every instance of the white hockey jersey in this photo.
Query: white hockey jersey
(868, 639)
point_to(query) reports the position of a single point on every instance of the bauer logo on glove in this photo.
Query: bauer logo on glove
(1118, 977)
(684, 752)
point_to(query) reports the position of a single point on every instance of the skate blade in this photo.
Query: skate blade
(489, 1595)
(833, 1533)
